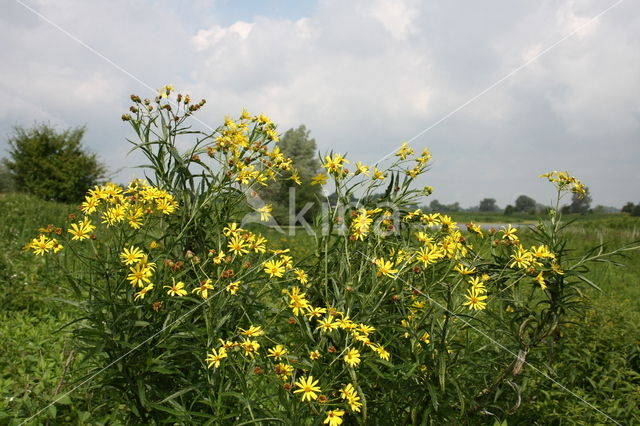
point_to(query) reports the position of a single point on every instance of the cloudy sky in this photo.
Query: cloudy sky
(500, 91)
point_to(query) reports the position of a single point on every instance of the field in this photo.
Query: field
(596, 368)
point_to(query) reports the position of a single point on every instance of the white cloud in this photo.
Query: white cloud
(216, 34)
(363, 76)
(397, 16)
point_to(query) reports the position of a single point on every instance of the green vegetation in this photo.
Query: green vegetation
(36, 355)
(600, 362)
(52, 165)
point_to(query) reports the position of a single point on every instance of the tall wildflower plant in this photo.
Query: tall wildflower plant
(399, 317)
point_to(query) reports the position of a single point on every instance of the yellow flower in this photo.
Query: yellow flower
(361, 169)
(427, 256)
(274, 268)
(177, 289)
(334, 417)
(366, 329)
(258, 244)
(89, 205)
(131, 255)
(231, 229)
(521, 259)
(265, 212)
(308, 387)
(314, 355)
(40, 245)
(334, 164)
(250, 347)
(381, 351)
(277, 352)
(296, 177)
(114, 215)
(542, 252)
(447, 222)
(297, 301)
(301, 276)
(352, 357)
(345, 323)
(143, 292)
(252, 331)
(404, 151)
(315, 312)
(228, 344)
(477, 284)
(564, 181)
(166, 205)
(214, 358)
(510, 233)
(475, 300)
(82, 230)
(245, 115)
(165, 91)
(238, 245)
(140, 275)
(319, 179)
(472, 227)
(57, 247)
(557, 269)
(431, 219)
(283, 370)
(328, 324)
(385, 267)
(203, 289)
(233, 287)
(540, 280)
(349, 394)
(378, 174)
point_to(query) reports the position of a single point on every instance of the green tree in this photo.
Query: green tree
(301, 148)
(628, 208)
(488, 205)
(525, 204)
(580, 203)
(52, 165)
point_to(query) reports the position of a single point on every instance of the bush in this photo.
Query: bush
(396, 317)
(52, 165)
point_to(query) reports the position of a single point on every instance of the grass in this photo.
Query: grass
(598, 363)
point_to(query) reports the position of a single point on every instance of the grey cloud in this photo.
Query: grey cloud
(363, 76)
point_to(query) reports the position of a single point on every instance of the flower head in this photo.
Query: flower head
(334, 417)
(352, 357)
(177, 289)
(308, 387)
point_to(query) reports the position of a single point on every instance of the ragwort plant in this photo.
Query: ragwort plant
(398, 317)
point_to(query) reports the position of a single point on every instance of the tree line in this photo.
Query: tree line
(55, 165)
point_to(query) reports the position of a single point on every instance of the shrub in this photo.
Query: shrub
(52, 165)
(396, 317)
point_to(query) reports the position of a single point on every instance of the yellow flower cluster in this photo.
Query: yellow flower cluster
(335, 165)
(132, 204)
(243, 144)
(43, 244)
(565, 182)
(330, 319)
